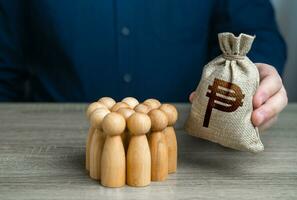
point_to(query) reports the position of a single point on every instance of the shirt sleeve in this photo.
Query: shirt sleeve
(12, 70)
(254, 17)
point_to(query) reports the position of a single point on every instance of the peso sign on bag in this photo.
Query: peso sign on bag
(223, 96)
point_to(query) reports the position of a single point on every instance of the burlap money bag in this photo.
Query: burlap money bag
(221, 111)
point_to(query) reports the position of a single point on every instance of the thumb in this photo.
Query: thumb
(192, 96)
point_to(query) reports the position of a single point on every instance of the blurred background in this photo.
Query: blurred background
(42, 42)
(286, 16)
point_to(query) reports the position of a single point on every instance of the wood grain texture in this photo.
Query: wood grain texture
(42, 150)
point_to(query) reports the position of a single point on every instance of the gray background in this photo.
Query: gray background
(286, 12)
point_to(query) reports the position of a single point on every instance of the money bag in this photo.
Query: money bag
(222, 107)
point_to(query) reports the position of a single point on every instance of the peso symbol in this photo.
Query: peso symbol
(223, 96)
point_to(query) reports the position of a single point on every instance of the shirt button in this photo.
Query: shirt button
(125, 31)
(127, 78)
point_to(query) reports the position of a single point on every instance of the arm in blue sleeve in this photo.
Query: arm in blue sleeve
(254, 17)
(12, 70)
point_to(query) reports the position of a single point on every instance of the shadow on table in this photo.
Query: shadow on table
(202, 155)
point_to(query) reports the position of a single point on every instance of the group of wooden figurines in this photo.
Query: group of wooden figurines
(130, 142)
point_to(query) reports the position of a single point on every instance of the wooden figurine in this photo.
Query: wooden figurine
(138, 155)
(97, 142)
(158, 145)
(119, 105)
(126, 113)
(107, 101)
(169, 132)
(113, 163)
(142, 108)
(91, 108)
(131, 101)
(152, 103)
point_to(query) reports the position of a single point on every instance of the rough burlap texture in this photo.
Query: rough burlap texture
(222, 108)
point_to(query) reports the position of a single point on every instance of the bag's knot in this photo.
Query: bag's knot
(233, 57)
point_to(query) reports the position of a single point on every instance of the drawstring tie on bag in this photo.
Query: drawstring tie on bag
(233, 57)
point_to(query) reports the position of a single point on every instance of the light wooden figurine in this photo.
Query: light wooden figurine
(97, 142)
(107, 101)
(91, 108)
(131, 101)
(113, 163)
(126, 113)
(152, 103)
(138, 155)
(158, 145)
(146, 108)
(142, 108)
(119, 105)
(169, 132)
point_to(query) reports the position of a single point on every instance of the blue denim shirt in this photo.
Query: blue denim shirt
(79, 50)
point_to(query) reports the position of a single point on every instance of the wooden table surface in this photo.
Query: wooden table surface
(42, 149)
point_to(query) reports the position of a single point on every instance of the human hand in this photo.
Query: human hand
(270, 98)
